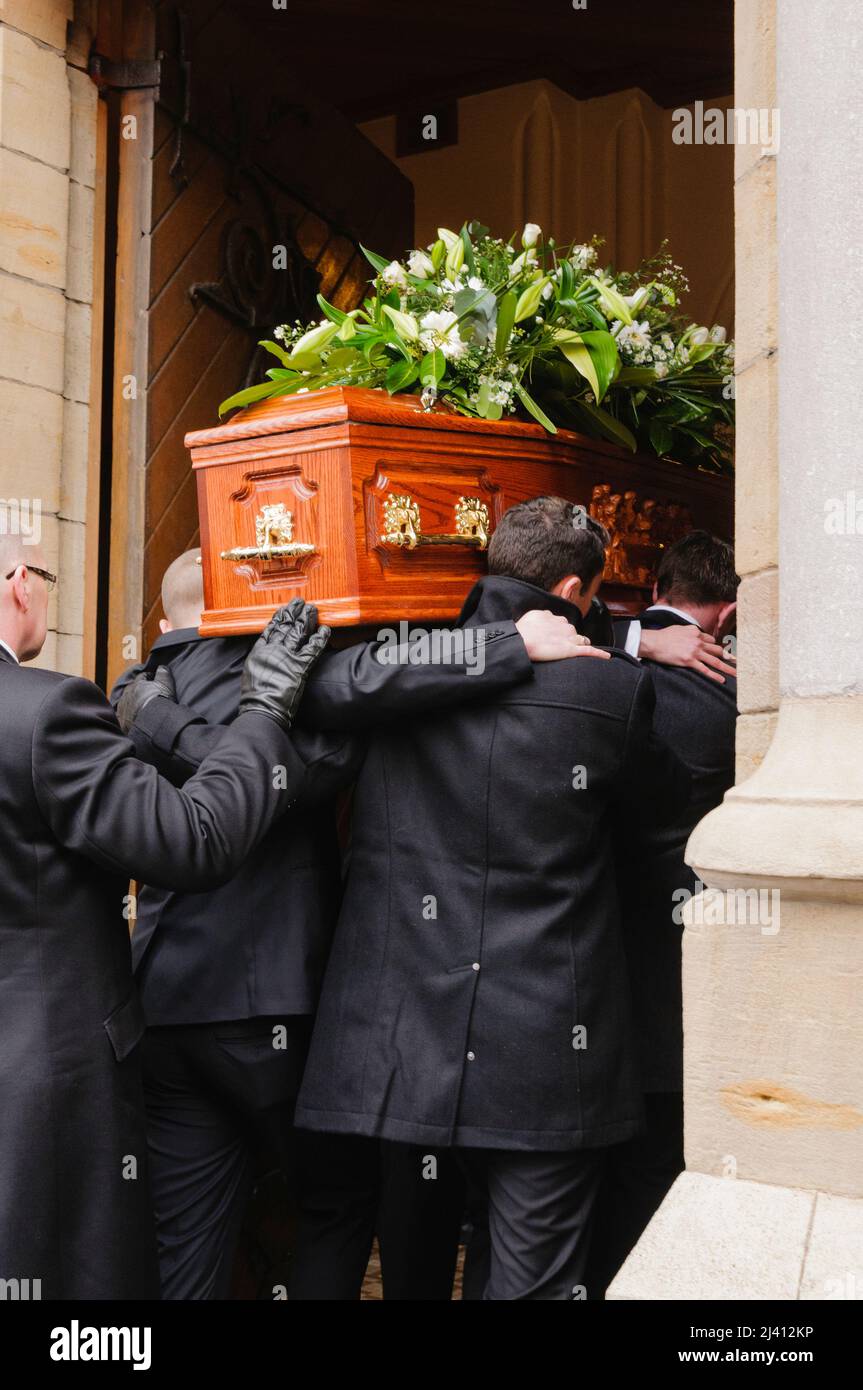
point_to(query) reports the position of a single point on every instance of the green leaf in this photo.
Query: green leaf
(378, 262)
(505, 321)
(616, 303)
(251, 394)
(661, 436)
(432, 368)
(342, 358)
(608, 427)
(603, 352)
(575, 352)
(567, 280)
(531, 406)
(333, 314)
(635, 376)
(276, 349)
(400, 375)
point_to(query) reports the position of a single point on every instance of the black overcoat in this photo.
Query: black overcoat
(697, 717)
(258, 945)
(79, 816)
(476, 992)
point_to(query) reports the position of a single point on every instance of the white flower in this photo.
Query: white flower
(661, 369)
(582, 256)
(531, 234)
(474, 283)
(635, 336)
(525, 261)
(547, 291)
(637, 300)
(438, 330)
(420, 265)
(717, 333)
(699, 337)
(394, 274)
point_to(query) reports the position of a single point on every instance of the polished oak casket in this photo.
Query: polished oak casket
(378, 510)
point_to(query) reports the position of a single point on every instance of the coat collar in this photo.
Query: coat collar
(180, 637)
(661, 615)
(496, 598)
(6, 655)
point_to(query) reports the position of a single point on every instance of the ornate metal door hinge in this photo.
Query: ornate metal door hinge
(134, 74)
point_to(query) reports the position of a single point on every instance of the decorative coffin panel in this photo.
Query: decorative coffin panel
(378, 510)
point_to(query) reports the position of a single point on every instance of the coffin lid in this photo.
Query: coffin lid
(336, 404)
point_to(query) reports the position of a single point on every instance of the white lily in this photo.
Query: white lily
(531, 234)
(638, 299)
(393, 274)
(717, 333)
(438, 330)
(420, 265)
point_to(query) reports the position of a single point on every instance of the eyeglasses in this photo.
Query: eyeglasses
(50, 579)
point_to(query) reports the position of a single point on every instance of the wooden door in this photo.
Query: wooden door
(261, 194)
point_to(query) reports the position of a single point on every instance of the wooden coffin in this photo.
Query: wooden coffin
(378, 510)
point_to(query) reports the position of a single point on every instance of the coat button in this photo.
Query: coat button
(475, 965)
(471, 1056)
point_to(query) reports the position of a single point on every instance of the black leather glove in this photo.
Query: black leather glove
(140, 691)
(279, 663)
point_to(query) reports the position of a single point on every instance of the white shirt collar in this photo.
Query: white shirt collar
(667, 608)
(7, 648)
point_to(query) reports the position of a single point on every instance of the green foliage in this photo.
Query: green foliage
(492, 328)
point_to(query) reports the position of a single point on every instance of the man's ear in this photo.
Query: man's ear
(164, 626)
(21, 590)
(726, 620)
(655, 591)
(568, 588)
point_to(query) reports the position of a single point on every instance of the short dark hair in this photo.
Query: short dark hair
(699, 568)
(544, 540)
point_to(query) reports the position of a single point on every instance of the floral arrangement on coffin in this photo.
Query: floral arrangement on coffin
(489, 329)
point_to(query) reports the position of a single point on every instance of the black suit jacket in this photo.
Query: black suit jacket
(479, 933)
(259, 944)
(696, 717)
(79, 816)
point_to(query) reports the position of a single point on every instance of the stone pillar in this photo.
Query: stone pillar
(47, 181)
(771, 1204)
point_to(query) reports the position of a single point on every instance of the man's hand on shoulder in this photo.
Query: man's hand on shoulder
(686, 645)
(551, 637)
(280, 662)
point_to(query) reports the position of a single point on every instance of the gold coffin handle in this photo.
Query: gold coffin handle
(274, 537)
(403, 524)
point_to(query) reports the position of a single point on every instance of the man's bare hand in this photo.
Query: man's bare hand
(550, 637)
(687, 645)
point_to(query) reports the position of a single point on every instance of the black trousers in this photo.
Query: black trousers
(217, 1095)
(540, 1219)
(636, 1176)
(353, 1188)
